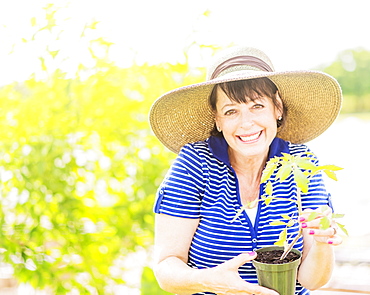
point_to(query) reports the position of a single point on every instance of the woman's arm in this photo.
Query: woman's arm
(173, 236)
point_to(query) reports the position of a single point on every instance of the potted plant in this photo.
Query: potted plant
(277, 266)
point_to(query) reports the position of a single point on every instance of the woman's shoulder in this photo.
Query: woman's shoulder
(298, 148)
(197, 149)
(303, 150)
(202, 153)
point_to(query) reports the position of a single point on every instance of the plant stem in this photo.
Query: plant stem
(287, 250)
(299, 203)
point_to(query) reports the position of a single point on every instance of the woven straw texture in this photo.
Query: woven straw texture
(313, 100)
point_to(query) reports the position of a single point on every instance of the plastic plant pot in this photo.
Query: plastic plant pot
(279, 277)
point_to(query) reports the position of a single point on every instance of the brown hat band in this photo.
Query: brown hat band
(241, 60)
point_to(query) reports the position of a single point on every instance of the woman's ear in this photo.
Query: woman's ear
(280, 108)
(217, 125)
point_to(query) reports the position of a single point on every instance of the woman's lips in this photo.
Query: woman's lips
(250, 138)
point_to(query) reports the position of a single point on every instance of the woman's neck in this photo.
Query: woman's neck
(251, 168)
(249, 172)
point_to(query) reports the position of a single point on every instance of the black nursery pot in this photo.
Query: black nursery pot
(279, 277)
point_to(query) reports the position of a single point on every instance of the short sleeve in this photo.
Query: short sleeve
(317, 195)
(180, 193)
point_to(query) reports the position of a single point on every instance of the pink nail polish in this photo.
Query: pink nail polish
(311, 232)
(301, 219)
(330, 242)
(304, 225)
(252, 253)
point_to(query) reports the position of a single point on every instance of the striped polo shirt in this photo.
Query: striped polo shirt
(202, 184)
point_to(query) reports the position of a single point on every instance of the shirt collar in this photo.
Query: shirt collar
(219, 148)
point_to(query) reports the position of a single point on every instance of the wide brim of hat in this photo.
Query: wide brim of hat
(313, 100)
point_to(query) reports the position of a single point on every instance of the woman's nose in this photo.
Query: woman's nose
(246, 120)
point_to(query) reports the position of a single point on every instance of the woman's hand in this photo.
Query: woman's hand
(225, 278)
(312, 227)
(318, 254)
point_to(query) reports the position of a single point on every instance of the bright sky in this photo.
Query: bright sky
(295, 34)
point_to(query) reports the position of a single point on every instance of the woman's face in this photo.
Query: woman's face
(248, 128)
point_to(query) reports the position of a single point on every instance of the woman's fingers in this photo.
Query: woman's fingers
(229, 281)
(238, 261)
(314, 218)
(312, 224)
(309, 214)
(328, 235)
(335, 241)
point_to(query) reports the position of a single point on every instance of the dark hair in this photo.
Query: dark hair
(244, 91)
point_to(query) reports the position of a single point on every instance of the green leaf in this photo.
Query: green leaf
(277, 223)
(330, 167)
(324, 208)
(291, 222)
(301, 180)
(282, 238)
(269, 169)
(284, 171)
(312, 215)
(269, 189)
(285, 216)
(279, 243)
(324, 223)
(338, 215)
(268, 200)
(342, 227)
(286, 157)
(331, 174)
(305, 163)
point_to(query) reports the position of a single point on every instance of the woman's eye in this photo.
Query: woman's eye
(229, 112)
(258, 106)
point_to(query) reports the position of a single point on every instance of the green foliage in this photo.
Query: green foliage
(79, 168)
(302, 167)
(351, 69)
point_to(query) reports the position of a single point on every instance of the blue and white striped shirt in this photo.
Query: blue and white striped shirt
(202, 184)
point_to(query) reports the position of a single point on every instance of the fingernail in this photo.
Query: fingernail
(252, 253)
(304, 225)
(301, 219)
(311, 232)
(330, 242)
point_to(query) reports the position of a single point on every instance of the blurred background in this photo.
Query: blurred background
(79, 165)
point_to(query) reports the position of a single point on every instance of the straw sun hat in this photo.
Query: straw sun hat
(313, 100)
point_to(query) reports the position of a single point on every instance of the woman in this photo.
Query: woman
(252, 113)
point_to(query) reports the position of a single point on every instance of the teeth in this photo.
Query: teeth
(251, 137)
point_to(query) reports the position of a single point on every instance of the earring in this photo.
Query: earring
(218, 129)
(279, 121)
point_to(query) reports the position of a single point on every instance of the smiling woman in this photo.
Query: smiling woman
(225, 130)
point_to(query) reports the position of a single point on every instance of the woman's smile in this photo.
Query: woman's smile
(250, 138)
